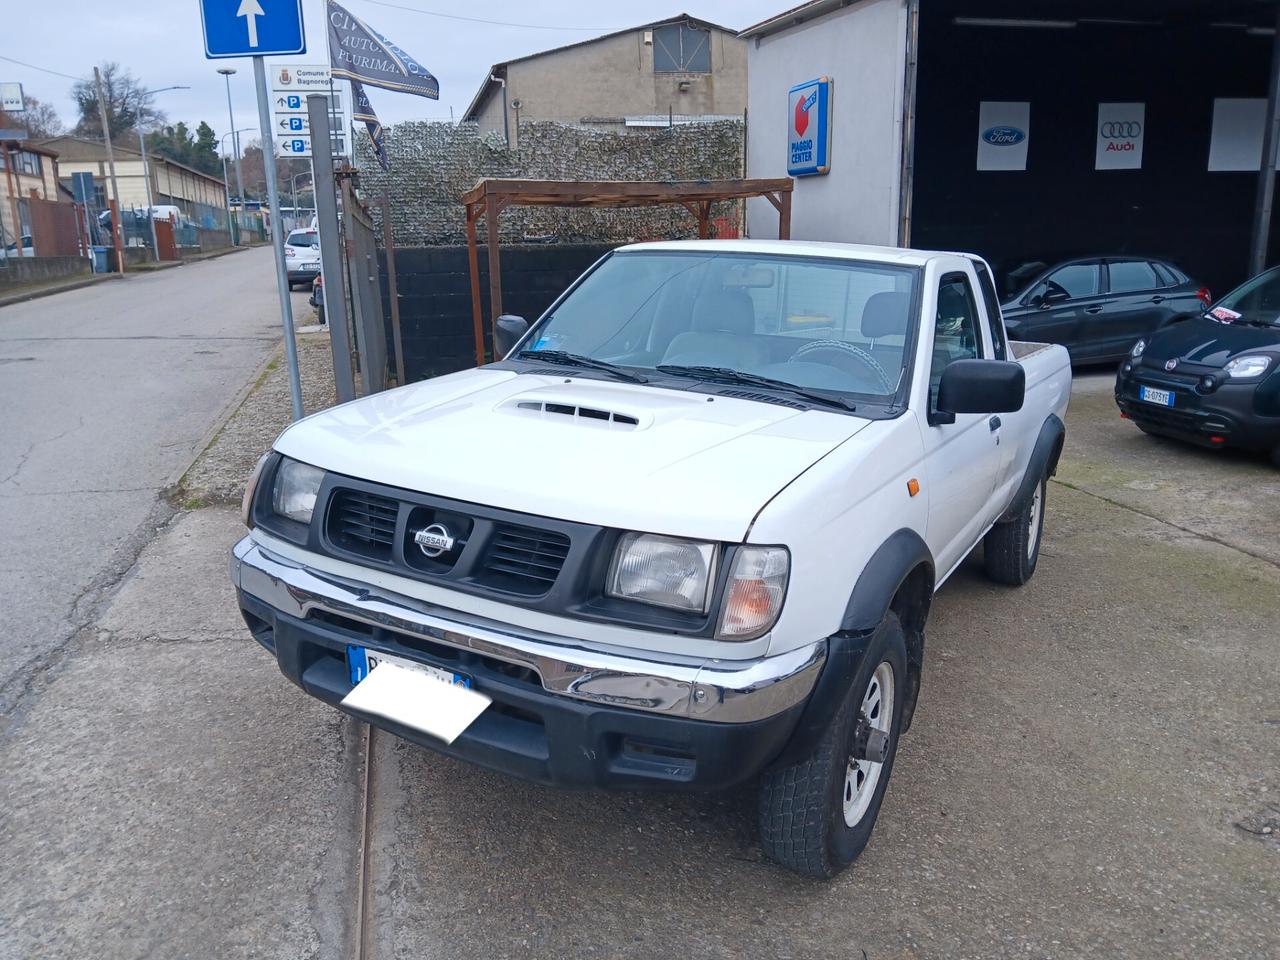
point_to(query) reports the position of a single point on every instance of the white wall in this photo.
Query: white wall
(863, 49)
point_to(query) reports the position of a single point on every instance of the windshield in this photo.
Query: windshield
(825, 324)
(303, 238)
(1257, 301)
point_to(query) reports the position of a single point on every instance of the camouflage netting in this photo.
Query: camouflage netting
(433, 164)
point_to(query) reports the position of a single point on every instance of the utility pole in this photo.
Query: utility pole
(117, 221)
(235, 134)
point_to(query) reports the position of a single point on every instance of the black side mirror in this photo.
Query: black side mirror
(1052, 296)
(507, 331)
(981, 386)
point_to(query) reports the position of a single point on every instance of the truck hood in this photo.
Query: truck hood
(1208, 342)
(632, 456)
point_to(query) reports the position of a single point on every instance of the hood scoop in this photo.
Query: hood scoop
(579, 414)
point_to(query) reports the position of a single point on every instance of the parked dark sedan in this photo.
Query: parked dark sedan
(1097, 307)
(1214, 380)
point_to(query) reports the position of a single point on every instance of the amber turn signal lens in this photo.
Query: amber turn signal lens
(913, 486)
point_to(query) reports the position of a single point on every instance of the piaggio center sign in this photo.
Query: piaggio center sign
(809, 128)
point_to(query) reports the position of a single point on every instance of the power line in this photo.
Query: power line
(23, 63)
(491, 23)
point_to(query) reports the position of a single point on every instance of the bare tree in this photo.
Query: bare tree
(40, 119)
(129, 106)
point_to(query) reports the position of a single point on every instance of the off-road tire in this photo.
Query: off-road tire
(802, 822)
(1011, 550)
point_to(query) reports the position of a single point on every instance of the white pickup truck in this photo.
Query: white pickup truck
(685, 535)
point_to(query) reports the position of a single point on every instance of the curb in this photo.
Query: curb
(60, 288)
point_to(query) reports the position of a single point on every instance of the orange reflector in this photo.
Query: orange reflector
(913, 486)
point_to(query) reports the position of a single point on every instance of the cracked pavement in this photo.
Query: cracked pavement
(113, 391)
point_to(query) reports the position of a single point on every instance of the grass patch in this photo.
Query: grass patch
(195, 502)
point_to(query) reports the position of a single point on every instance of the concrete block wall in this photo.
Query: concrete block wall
(435, 297)
(18, 271)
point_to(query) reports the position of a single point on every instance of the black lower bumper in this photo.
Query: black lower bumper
(1225, 417)
(532, 734)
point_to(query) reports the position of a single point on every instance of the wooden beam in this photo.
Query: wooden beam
(784, 216)
(477, 321)
(495, 266)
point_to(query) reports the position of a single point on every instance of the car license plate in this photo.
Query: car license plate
(362, 661)
(1152, 395)
(311, 266)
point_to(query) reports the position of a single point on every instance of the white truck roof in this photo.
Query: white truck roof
(850, 251)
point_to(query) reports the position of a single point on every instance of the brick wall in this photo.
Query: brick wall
(435, 297)
(433, 164)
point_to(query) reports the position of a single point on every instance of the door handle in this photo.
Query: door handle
(1157, 299)
(994, 424)
(1093, 309)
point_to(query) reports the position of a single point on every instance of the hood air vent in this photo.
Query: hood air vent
(581, 413)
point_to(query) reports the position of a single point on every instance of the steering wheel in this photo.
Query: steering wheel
(843, 356)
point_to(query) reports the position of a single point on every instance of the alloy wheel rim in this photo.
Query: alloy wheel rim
(861, 777)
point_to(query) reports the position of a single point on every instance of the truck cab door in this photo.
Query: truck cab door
(961, 449)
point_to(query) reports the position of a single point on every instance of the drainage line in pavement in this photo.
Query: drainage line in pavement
(1199, 535)
(364, 925)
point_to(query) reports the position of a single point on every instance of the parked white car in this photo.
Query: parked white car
(685, 535)
(302, 257)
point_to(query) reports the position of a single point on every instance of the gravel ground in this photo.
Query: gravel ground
(219, 475)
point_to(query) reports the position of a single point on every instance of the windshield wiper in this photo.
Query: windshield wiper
(564, 358)
(729, 375)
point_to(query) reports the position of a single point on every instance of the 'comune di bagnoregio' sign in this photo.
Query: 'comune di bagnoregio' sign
(809, 128)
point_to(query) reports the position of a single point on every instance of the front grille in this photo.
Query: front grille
(524, 560)
(363, 523)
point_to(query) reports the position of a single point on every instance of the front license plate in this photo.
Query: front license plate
(362, 661)
(1152, 395)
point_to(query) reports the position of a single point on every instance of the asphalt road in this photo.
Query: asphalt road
(106, 394)
(1092, 772)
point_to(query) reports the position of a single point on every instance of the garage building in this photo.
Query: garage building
(1025, 131)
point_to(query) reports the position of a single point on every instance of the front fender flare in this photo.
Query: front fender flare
(884, 573)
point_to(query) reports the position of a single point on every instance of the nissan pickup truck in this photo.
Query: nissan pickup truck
(684, 535)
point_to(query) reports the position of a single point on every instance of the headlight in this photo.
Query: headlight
(1242, 368)
(295, 492)
(753, 596)
(663, 571)
(1138, 348)
(251, 488)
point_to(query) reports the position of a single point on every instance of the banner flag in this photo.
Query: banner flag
(357, 52)
(362, 110)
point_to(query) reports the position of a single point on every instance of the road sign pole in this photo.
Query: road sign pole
(277, 235)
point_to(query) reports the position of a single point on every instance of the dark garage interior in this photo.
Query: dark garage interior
(1064, 58)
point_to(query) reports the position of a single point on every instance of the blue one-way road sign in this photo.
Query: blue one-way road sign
(252, 28)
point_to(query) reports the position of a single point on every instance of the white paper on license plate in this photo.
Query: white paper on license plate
(1162, 397)
(417, 700)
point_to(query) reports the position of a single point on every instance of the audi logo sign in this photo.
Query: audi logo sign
(1120, 129)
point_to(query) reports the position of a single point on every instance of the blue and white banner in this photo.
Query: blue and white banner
(1004, 131)
(363, 111)
(358, 52)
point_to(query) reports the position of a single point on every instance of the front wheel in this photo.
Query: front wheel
(1010, 550)
(816, 815)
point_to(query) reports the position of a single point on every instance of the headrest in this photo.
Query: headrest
(886, 314)
(724, 311)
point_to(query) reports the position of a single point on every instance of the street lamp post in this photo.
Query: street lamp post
(231, 120)
(293, 190)
(146, 175)
(226, 186)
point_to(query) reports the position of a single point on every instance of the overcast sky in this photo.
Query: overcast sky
(159, 41)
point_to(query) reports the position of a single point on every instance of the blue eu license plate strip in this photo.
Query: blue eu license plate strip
(1162, 397)
(360, 661)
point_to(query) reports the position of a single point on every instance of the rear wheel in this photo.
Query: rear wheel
(816, 816)
(1011, 550)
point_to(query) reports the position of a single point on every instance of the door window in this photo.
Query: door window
(955, 334)
(1071, 282)
(1130, 275)
(989, 299)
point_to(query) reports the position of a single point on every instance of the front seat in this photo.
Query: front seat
(722, 334)
(886, 315)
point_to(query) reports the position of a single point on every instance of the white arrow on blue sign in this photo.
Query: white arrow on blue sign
(252, 28)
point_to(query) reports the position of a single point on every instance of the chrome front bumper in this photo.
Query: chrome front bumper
(723, 691)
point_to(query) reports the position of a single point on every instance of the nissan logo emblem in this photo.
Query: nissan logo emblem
(434, 541)
(1121, 129)
(1170, 364)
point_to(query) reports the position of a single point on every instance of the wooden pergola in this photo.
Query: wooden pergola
(490, 197)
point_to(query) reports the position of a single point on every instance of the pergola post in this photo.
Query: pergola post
(473, 261)
(491, 212)
(784, 215)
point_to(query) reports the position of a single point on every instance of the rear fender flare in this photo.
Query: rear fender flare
(1043, 463)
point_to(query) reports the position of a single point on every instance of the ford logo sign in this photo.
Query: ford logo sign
(1003, 136)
